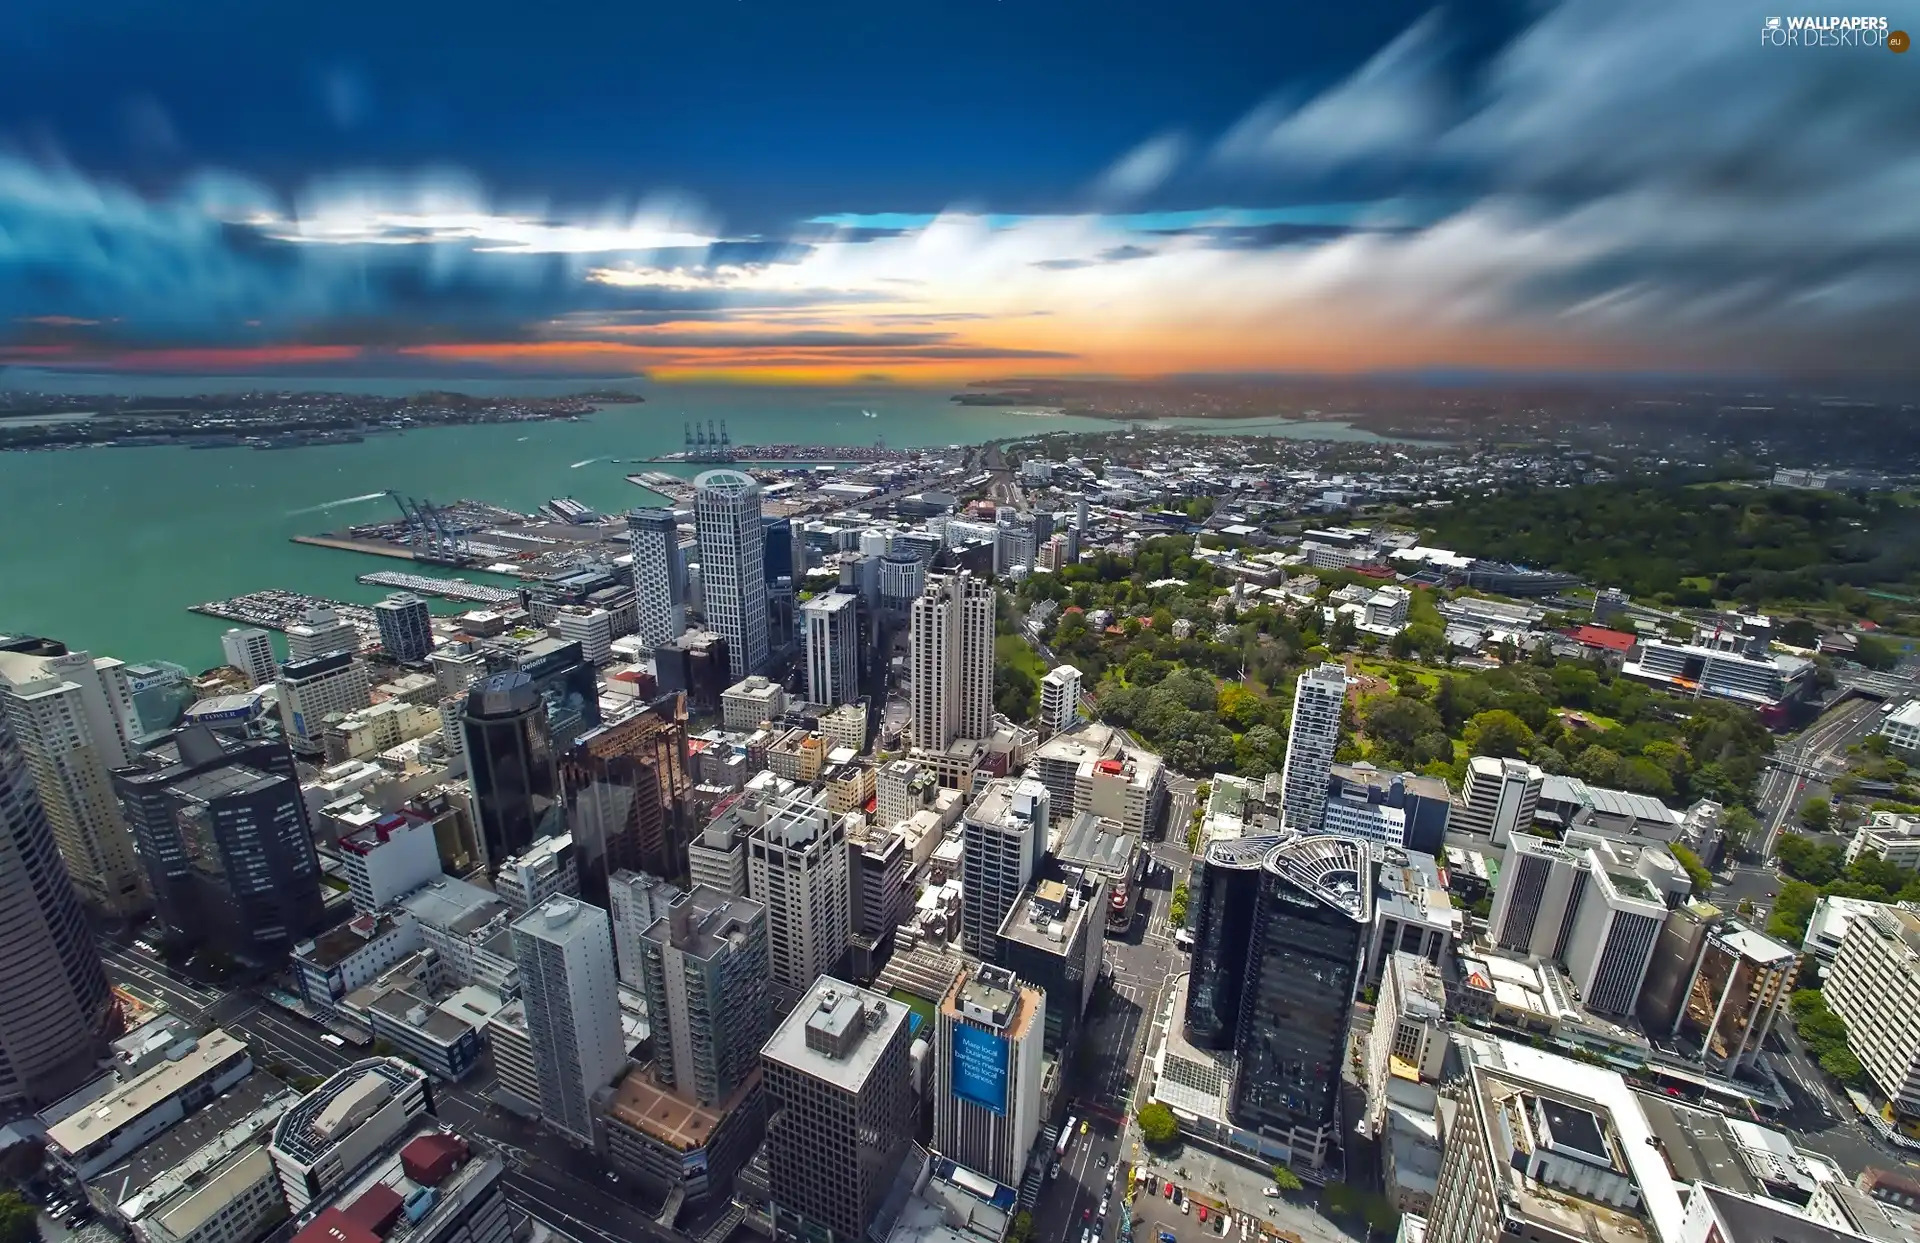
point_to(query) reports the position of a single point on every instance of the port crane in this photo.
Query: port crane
(430, 533)
(705, 444)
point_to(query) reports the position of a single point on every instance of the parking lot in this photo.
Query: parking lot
(1209, 1182)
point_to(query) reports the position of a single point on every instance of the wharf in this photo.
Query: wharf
(376, 548)
(444, 588)
(742, 455)
(276, 609)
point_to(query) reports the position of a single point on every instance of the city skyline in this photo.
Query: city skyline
(942, 197)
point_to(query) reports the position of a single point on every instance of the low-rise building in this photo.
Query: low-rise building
(1901, 727)
(750, 701)
(542, 870)
(343, 1124)
(430, 1188)
(1889, 836)
(195, 1072)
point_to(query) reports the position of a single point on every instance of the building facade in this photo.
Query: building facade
(797, 869)
(1312, 736)
(510, 763)
(56, 1009)
(832, 628)
(406, 626)
(733, 583)
(659, 574)
(1003, 835)
(250, 650)
(987, 1071)
(951, 640)
(567, 980)
(1059, 699)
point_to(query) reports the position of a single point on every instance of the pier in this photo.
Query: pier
(276, 609)
(444, 588)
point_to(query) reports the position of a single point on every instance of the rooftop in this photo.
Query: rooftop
(837, 1033)
(187, 1063)
(706, 921)
(1047, 915)
(242, 1114)
(1334, 870)
(1098, 843)
(680, 1122)
(452, 905)
(329, 1113)
(192, 1207)
(408, 1192)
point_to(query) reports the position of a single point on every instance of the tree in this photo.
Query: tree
(1817, 814)
(1597, 764)
(1285, 1179)
(1022, 1227)
(1696, 871)
(1239, 707)
(1737, 825)
(1381, 1217)
(1399, 725)
(1498, 732)
(19, 1221)
(1158, 1126)
(1340, 1200)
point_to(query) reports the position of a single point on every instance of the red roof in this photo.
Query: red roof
(430, 1158)
(334, 1226)
(376, 1208)
(1600, 636)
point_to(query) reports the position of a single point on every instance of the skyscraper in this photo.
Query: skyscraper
(510, 764)
(797, 868)
(627, 788)
(1309, 936)
(250, 650)
(1226, 894)
(1312, 736)
(70, 735)
(659, 574)
(56, 1010)
(833, 648)
(703, 970)
(726, 507)
(229, 851)
(952, 647)
(1004, 833)
(840, 1109)
(987, 1071)
(1499, 798)
(406, 626)
(635, 900)
(565, 951)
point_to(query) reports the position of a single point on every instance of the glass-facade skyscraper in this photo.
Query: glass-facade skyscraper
(1227, 893)
(1309, 936)
(511, 763)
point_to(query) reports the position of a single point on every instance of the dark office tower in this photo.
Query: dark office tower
(406, 626)
(1227, 893)
(223, 829)
(56, 1011)
(779, 550)
(627, 792)
(1309, 933)
(510, 763)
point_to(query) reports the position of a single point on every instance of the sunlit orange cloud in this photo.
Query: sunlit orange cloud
(214, 359)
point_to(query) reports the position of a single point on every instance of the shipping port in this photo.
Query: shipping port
(470, 534)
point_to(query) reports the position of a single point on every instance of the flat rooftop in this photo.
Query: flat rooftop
(454, 905)
(145, 1091)
(837, 1033)
(1098, 843)
(665, 1116)
(1048, 913)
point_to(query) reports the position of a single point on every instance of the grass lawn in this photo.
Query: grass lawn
(1013, 650)
(919, 1005)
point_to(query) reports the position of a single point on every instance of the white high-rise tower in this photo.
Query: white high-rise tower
(832, 630)
(952, 641)
(726, 508)
(565, 950)
(659, 574)
(1311, 739)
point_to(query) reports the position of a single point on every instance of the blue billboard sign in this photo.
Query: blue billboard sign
(980, 1067)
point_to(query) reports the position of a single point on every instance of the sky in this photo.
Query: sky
(956, 190)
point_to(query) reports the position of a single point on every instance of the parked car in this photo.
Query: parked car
(1186, 1206)
(1053, 1171)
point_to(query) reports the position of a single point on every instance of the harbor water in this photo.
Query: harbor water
(105, 549)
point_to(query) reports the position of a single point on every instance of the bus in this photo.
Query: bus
(1066, 1138)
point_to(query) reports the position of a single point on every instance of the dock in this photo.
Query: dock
(443, 588)
(377, 548)
(275, 609)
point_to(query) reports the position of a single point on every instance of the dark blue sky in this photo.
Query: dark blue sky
(954, 188)
(767, 109)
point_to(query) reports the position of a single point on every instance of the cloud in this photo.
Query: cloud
(1386, 111)
(1142, 170)
(1622, 184)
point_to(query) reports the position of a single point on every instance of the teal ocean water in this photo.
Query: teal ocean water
(104, 549)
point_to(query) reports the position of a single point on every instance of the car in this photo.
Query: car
(1179, 1195)
(1186, 1206)
(1153, 1188)
(1085, 1127)
(1102, 1161)
(1112, 1172)
(1104, 1205)
(1086, 1214)
(1053, 1171)
(330, 1038)
(1203, 1212)
(1166, 1236)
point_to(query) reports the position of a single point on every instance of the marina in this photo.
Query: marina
(442, 588)
(275, 608)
